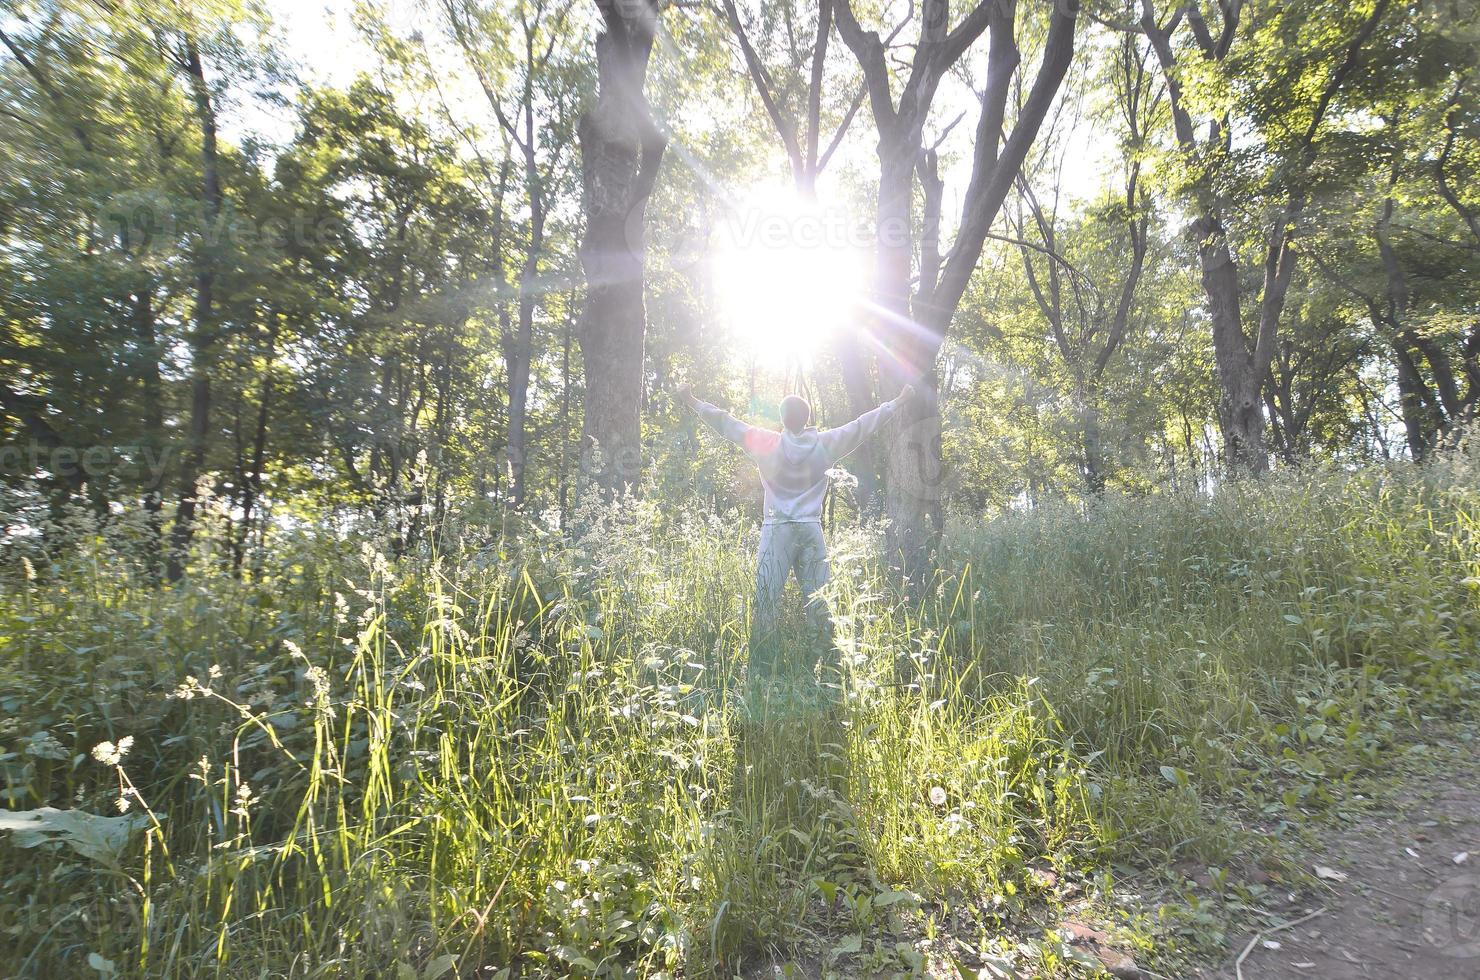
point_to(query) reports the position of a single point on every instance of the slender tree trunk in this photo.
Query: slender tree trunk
(1423, 413)
(1191, 446)
(1094, 456)
(1411, 390)
(913, 465)
(1284, 424)
(1442, 370)
(1240, 405)
(202, 340)
(522, 353)
(563, 477)
(621, 151)
(1470, 359)
(912, 331)
(446, 399)
(1398, 302)
(252, 484)
(152, 452)
(519, 357)
(529, 286)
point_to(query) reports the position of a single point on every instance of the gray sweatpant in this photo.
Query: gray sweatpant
(785, 549)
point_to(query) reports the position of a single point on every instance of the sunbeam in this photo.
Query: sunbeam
(788, 275)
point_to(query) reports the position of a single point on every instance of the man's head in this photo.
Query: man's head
(795, 413)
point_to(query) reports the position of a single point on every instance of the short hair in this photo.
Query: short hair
(795, 412)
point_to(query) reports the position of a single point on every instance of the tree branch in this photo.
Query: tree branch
(43, 83)
(993, 174)
(761, 78)
(1279, 262)
(869, 50)
(814, 85)
(1441, 167)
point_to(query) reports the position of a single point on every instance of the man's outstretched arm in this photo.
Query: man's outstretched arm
(716, 418)
(844, 439)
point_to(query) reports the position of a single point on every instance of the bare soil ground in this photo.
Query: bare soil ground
(1404, 900)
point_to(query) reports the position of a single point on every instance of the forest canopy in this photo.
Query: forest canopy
(466, 260)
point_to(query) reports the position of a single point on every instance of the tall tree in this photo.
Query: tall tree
(622, 148)
(911, 329)
(535, 118)
(1089, 324)
(184, 51)
(1301, 54)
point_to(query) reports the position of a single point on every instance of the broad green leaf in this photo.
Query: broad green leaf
(99, 838)
(439, 967)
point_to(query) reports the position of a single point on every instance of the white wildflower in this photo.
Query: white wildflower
(110, 754)
(244, 800)
(203, 770)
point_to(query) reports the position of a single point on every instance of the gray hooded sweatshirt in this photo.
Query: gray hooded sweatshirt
(794, 465)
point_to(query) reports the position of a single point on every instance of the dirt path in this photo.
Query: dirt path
(1406, 910)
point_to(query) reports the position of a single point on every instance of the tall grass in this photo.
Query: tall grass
(527, 754)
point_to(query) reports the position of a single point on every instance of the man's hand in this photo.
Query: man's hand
(906, 393)
(686, 395)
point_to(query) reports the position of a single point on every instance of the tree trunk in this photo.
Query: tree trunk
(529, 286)
(563, 478)
(1242, 363)
(202, 340)
(252, 483)
(522, 353)
(911, 333)
(1094, 457)
(1417, 424)
(1240, 406)
(912, 458)
(621, 150)
(152, 452)
(519, 355)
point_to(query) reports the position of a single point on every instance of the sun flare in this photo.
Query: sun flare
(788, 275)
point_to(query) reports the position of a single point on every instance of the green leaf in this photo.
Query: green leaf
(99, 838)
(438, 967)
(884, 899)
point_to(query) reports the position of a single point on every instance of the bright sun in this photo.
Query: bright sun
(788, 274)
